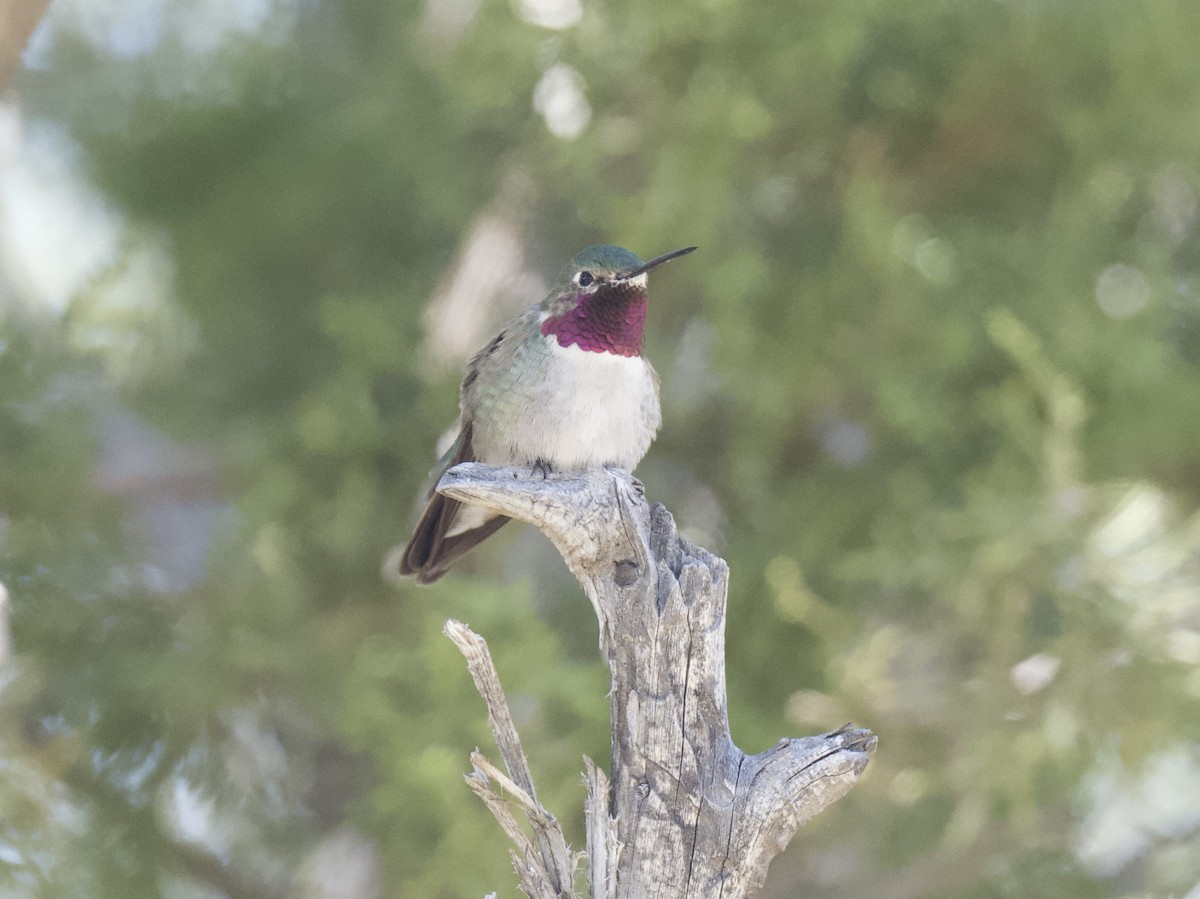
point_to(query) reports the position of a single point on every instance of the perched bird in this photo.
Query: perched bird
(564, 386)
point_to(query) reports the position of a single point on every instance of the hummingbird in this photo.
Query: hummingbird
(564, 386)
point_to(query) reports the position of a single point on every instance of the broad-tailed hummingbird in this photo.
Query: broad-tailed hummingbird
(564, 386)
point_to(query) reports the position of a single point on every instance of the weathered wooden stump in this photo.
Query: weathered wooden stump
(690, 814)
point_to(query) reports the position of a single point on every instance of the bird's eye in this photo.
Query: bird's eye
(584, 279)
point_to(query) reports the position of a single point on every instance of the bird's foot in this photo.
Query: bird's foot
(541, 466)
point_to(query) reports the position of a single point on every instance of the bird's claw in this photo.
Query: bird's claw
(541, 466)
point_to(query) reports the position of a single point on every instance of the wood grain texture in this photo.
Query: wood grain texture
(545, 867)
(694, 815)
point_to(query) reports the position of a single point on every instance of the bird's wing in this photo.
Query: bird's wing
(447, 528)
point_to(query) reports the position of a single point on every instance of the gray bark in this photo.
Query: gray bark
(690, 814)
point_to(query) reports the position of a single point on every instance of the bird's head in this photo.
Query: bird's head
(599, 300)
(603, 267)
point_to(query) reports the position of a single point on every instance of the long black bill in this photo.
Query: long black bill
(657, 260)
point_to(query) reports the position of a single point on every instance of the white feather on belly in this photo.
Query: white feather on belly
(588, 409)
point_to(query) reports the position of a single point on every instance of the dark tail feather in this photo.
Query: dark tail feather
(430, 553)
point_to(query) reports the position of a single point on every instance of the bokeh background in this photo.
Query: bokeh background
(931, 386)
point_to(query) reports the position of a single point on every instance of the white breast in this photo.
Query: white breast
(591, 409)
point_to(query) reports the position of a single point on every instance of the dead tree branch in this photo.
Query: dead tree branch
(547, 870)
(693, 815)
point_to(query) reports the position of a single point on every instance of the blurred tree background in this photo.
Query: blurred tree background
(931, 386)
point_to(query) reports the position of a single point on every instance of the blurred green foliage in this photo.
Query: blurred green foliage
(931, 386)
